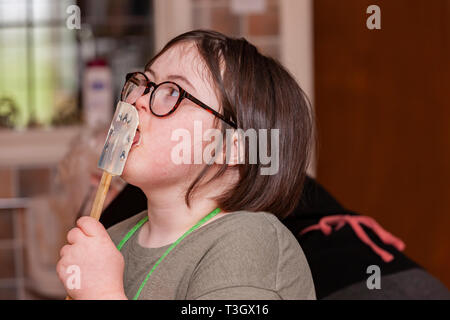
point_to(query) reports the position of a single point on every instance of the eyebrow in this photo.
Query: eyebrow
(173, 77)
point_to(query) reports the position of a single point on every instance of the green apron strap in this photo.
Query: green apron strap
(141, 222)
(131, 232)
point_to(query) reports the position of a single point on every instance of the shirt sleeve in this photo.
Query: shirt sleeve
(246, 256)
(256, 259)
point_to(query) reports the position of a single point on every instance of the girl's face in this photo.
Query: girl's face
(149, 164)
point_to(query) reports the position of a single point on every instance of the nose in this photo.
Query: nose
(142, 104)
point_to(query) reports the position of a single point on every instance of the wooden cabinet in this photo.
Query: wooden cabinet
(383, 109)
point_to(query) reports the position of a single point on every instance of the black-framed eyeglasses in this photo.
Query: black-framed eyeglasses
(165, 97)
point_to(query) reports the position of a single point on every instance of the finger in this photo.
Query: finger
(64, 250)
(60, 270)
(91, 227)
(75, 235)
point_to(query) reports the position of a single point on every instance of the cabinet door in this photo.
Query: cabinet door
(383, 112)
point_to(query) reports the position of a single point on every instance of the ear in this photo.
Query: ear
(235, 151)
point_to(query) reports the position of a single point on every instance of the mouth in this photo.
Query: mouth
(137, 138)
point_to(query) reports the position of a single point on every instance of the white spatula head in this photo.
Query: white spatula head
(120, 138)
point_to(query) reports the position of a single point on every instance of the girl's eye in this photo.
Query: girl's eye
(174, 92)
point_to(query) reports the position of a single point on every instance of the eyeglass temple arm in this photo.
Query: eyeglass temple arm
(214, 112)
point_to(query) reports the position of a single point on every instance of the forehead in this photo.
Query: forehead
(181, 59)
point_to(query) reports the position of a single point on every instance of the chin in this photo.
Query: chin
(152, 173)
(135, 175)
(128, 174)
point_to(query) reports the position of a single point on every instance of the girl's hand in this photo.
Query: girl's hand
(91, 267)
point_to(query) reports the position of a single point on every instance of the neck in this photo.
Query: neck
(170, 217)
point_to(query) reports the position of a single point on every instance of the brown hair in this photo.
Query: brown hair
(256, 92)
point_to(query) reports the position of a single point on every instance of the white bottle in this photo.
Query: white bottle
(97, 93)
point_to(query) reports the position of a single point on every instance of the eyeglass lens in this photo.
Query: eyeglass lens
(163, 99)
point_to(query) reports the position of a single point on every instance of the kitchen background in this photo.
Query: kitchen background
(381, 99)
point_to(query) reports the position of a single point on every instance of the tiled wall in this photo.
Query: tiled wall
(262, 29)
(6, 183)
(17, 182)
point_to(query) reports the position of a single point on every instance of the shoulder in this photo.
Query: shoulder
(118, 231)
(257, 223)
(252, 249)
(259, 234)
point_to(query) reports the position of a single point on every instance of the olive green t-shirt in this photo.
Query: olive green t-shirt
(241, 255)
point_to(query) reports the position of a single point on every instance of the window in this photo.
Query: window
(38, 62)
(42, 61)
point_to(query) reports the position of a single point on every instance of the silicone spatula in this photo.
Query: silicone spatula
(115, 151)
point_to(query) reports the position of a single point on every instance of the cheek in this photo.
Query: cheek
(153, 161)
(184, 131)
(151, 165)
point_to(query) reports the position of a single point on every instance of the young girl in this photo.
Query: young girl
(212, 228)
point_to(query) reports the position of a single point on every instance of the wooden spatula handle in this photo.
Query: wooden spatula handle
(99, 200)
